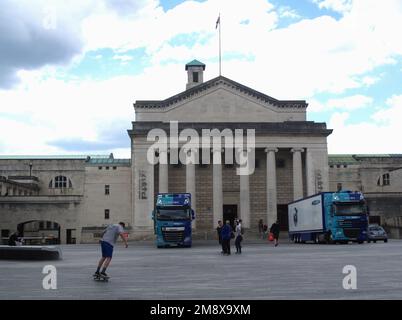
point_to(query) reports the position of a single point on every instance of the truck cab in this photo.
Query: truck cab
(347, 216)
(172, 218)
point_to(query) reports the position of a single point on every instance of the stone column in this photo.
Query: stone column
(63, 235)
(217, 186)
(163, 171)
(245, 197)
(78, 234)
(310, 173)
(143, 188)
(271, 186)
(190, 182)
(297, 173)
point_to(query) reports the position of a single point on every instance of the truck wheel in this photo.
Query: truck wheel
(375, 241)
(368, 241)
(385, 240)
(360, 242)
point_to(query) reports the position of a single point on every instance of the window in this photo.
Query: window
(338, 166)
(60, 182)
(107, 168)
(114, 168)
(107, 189)
(195, 76)
(385, 179)
(339, 186)
(107, 214)
(48, 225)
(99, 168)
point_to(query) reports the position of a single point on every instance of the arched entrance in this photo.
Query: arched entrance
(39, 232)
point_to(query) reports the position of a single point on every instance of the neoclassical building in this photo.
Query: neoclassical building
(291, 158)
(72, 198)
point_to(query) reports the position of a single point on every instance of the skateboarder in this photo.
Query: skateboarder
(109, 238)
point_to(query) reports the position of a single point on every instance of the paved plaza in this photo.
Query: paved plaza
(290, 271)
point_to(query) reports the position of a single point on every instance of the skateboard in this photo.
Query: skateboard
(101, 278)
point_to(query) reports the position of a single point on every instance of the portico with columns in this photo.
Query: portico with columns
(290, 159)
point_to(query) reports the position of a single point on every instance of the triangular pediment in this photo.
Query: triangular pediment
(221, 99)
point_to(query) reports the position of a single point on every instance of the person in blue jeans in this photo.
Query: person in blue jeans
(226, 234)
(109, 238)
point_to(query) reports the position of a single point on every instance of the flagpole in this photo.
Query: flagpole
(220, 45)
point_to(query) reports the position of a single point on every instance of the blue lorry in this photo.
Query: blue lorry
(172, 220)
(329, 217)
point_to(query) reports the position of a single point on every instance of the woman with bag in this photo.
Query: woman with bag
(274, 233)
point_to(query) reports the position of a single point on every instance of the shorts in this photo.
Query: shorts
(107, 249)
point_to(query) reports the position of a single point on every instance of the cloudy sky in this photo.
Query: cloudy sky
(70, 71)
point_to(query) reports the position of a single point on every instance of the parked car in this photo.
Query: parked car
(376, 232)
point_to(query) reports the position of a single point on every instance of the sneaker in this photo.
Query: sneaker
(103, 274)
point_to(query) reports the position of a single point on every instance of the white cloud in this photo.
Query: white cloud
(380, 136)
(346, 103)
(321, 55)
(288, 12)
(341, 6)
(350, 103)
(122, 58)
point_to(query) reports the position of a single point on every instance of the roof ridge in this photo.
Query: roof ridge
(215, 81)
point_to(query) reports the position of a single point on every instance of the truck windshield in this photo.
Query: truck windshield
(173, 213)
(349, 209)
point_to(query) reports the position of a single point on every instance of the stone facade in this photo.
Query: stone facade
(379, 177)
(64, 191)
(291, 153)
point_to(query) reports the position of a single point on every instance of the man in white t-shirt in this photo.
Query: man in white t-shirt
(109, 238)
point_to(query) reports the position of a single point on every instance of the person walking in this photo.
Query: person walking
(109, 238)
(226, 233)
(219, 230)
(239, 236)
(260, 227)
(275, 232)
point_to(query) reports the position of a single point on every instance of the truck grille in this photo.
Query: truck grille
(351, 233)
(173, 236)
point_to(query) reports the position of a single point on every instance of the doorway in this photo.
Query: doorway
(230, 213)
(70, 236)
(282, 214)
